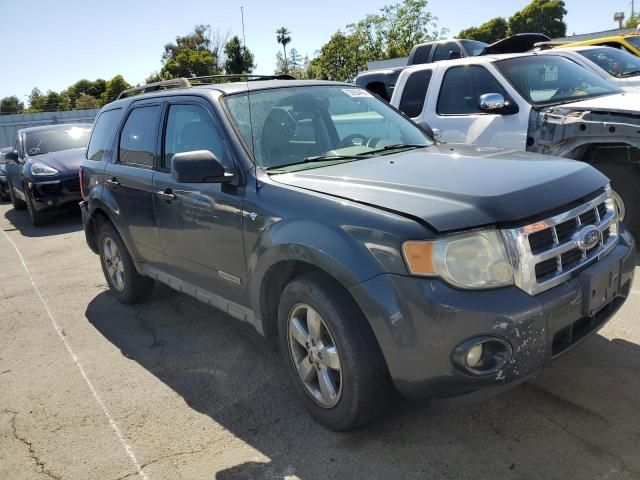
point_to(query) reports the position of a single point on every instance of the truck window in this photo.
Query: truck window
(189, 128)
(421, 54)
(447, 51)
(462, 88)
(103, 132)
(414, 93)
(138, 137)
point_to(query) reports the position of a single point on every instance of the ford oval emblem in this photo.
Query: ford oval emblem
(588, 238)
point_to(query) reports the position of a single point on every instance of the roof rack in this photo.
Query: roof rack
(153, 87)
(189, 82)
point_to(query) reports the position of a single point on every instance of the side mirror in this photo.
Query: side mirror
(199, 166)
(11, 156)
(492, 103)
(434, 133)
(454, 54)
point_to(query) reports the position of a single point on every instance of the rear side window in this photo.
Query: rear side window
(103, 133)
(189, 128)
(421, 54)
(462, 88)
(415, 93)
(447, 51)
(138, 137)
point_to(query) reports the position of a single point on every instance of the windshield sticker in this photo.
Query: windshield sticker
(356, 92)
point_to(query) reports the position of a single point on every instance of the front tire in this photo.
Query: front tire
(331, 354)
(37, 219)
(16, 202)
(126, 284)
(4, 192)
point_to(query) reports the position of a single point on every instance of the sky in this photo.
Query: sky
(52, 44)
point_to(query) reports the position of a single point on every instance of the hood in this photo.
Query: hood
(63, 161)
(519, 43)
(455, 187)
(628, 102)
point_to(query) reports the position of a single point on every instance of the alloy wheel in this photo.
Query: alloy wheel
(315, 355)
(113, 263)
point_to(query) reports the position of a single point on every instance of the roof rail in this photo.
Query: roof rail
(153, 87)
(248, 76)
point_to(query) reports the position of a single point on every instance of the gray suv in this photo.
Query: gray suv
(380, 258)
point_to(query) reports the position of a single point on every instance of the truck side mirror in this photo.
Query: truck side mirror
(199, 166)
(496, 103)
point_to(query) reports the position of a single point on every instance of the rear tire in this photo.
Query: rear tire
(16, 202)
(361, 382)
(4, 192)
(126, 284)
(624, 181)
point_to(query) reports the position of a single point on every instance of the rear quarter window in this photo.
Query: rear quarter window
(414, 93)
(103, 135)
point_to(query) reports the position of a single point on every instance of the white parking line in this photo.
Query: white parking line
(98, 399)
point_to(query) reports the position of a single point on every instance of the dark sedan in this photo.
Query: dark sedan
(43, 168)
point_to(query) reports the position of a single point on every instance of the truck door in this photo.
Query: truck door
(455, 109)
(200, 223)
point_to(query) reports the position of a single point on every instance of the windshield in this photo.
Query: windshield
(473, 47)
(635, 41)
(292, 125)
(550, 79)
(616, 62)
(56, 139)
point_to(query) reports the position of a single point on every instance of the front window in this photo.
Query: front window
(56, 139)
(473, 47)
(634, 41)
(549, 79)
(304, 125)
(618, 63)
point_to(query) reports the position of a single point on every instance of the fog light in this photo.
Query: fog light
(50, 202)
(482, 355)
(474, 356)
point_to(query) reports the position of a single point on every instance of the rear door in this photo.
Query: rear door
(200, 224)
(128, 179)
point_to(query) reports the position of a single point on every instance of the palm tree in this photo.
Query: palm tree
(284, 37)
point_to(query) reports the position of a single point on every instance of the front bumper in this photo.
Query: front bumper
(419, 322)
(53, 194)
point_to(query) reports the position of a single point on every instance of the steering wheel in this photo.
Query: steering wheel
(348, 140)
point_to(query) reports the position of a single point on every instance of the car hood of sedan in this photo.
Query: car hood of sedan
(453, 187)
(63, 161)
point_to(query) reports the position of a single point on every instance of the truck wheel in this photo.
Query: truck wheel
(126, 284)
(4, 192)
(37, 219)
(331, 354)
(16, 202)
(624, 181)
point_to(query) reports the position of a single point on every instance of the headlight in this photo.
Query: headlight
(41, 170)
(471, 260)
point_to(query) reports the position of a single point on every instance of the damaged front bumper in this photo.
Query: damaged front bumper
(420, 322)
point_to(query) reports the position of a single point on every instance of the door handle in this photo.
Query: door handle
(166, 195)
(113, 182)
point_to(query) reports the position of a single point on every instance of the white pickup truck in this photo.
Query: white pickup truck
(540, 102)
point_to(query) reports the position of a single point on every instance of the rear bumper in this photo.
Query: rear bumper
(419, 322)
(49, 195)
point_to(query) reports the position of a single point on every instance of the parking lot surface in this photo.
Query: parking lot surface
(173, 389)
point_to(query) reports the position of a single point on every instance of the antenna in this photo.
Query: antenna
(253, 143)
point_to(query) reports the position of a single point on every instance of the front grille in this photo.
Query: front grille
(50, 188)
(550, 251)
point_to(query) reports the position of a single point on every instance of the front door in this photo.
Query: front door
(200, 224)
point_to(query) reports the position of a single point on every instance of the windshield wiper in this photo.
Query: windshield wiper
(395, 146)
(633, 73)
(316, 158)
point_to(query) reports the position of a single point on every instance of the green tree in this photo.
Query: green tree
(407, 24)
(85, 102)
(283, 35)
(93, 88)
(191, 55)
(11, 104)
(633, 21)
(540, 16)
(36, 101)
(489, 32)
(338, 59)
(238, 58)
(114, 86)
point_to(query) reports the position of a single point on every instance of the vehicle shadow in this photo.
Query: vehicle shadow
(61, 223)
(579, 419)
